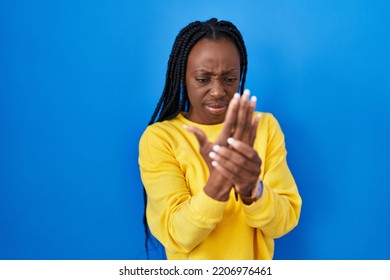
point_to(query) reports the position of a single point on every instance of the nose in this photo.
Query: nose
(217, 90)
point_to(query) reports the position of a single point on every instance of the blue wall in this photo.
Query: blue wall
(79, 81)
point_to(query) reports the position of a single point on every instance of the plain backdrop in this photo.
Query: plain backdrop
(79, 81)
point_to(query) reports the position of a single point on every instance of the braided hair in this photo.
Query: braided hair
(174, 98)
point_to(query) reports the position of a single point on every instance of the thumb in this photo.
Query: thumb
(199, 134)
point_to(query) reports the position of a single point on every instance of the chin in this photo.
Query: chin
(216, 119)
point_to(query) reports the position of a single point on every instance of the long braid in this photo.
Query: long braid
(174, 98)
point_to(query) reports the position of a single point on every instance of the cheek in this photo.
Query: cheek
(193, 99)
(194, 93)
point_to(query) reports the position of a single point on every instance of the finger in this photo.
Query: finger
(244, 149)
(234, 161)
(253, 129)
(242, 115)
(225, 173)
(242, 180)
(233, 166)
(204, 144)
(199, 134)
(240, 171)
(230, 120)
(247, 134)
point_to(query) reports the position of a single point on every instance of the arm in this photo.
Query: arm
(278, 210)
(178, 219)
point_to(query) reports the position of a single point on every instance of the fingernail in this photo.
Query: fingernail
(212, 154)
(253, 98)
(216, 148)
(230, 140)
(236, 96)
(247, 92)
(214, 163)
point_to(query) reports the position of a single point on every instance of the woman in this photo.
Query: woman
(215, 173)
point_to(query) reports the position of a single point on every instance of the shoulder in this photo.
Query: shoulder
(164, 136)
(267, 120)
(162, 129)
(269, 129)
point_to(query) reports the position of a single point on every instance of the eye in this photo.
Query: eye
(202, 80)
(230, 80)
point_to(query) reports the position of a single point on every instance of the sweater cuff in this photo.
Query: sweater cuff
(207, 207)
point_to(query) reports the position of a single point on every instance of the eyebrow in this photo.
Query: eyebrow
(210, 72)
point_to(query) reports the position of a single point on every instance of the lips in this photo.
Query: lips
(216, 108)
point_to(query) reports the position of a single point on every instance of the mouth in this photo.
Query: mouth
(217, 108)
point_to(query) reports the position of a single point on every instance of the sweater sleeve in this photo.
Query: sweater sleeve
(278, 209)
(178, 219)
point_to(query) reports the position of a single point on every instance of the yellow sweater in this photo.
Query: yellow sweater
(192, 225)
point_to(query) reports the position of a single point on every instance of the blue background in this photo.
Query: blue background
(79, 81)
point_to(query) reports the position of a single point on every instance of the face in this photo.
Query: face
(212, 78)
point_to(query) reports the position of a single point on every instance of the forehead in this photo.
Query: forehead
(220, 51)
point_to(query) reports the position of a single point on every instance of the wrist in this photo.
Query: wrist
(217, 187)
(255, 195)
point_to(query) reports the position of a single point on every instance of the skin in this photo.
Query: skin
(212, 79)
